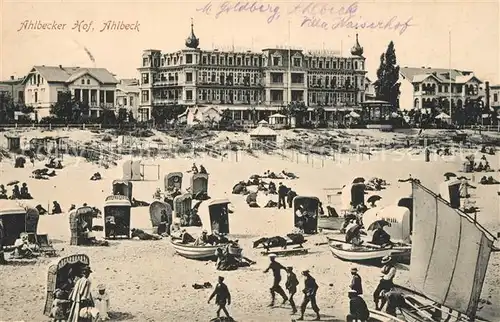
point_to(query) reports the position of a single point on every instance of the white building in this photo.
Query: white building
(201, 115)
(94, 86)
(127, 96)
(369, 90)
(434, 87)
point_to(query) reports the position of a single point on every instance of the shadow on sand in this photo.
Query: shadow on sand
(120, 316)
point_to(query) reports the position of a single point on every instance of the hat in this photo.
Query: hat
(221, 278)
(86, 269)
(290, 268)
(352, 292)
(272, 255)
(204, 231)
(305, 272)
(354, 269)
(101, 287)
(386, 259)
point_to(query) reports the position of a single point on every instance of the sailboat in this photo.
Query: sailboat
(449, 259)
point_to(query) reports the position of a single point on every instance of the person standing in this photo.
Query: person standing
(356, 282)
(386, 282)
(276, 288)
(310, 291)
(81, 296)
(358, 310)
(222, 297)
(282, 192)
(291, 285)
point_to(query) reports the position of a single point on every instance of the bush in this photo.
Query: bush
(107, 138)
(51, 119)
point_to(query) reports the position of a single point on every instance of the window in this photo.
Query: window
(334, 65)
(230, 60)
(189, 95)
(320, 64)
(88, 81)
(213, 60)
(145, 61)
(163, 61)
(125, 101)
(189, 59)
(204, 60)
(145, 78)
(276, 78)
(495, 97)
(83, 81)
(131, 101)
(327, 65)
(296, 62)
(36, 97)
(145, 96)
(276, 61)
(189, 77)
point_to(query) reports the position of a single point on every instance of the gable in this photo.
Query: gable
(84, 79)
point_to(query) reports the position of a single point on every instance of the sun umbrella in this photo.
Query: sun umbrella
(462, 178)
(449, 175)
(358, 180)
(373, 199)
(379, 224)
(13, 182)
(197, 205)
(352, 232)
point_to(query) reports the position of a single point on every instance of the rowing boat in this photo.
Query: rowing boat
(201, 252)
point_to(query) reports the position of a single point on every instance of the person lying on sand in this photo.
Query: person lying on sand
(289, 175)
(139, 203)
(271, 204)
(52, 173)
(140, 234)
(240, 188)
(488, 181)
(96, 176)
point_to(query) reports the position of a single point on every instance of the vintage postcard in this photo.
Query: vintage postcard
(249, 161)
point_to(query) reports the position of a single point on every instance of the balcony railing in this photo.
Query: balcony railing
(101, 105)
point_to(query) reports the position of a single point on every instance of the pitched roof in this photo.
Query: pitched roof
(263, 131)
(443, 75)
(128, 85)
(59, 74)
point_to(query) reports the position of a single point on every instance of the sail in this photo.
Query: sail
(450, 253)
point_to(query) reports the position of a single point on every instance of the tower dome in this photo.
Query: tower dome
(192, 41)
(357, 50)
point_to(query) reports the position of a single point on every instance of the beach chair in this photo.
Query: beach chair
(43, 243)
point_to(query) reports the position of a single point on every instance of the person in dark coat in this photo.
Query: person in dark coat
(358, 310)
(272, 188)
(381, 237)
(386, 282)
(282, 192)
(203, 170)
(276, 288)
(56, 208)
(289, 197)
(16, 194)
(356, 282)
(222, 297)
(310, 290)
(291, 285)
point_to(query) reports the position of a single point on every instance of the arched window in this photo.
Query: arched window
(415, 104)
(460, 103)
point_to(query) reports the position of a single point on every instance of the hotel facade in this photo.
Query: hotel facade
(241, 81)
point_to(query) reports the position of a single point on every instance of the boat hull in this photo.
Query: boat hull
(378, 316)
(201, 252)
(361, 254)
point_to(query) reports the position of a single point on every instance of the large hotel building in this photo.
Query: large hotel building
(238, 81)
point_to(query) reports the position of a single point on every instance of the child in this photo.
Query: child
(102, 302)
(58, 312)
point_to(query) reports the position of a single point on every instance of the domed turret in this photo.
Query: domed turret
(192, 41)
(357, 50)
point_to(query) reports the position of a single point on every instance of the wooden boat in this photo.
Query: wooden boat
(347, 252)
(330, 223)
(449, 260)
(378, 316)
(201, 252)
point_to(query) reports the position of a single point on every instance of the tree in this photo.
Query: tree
(108, 117)
(297, 110)
(387, 85)
(68, 108)
(7, 108)
(122, 115)
(131, 118)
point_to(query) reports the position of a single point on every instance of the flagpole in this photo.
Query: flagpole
(289, 76)
(449, 66)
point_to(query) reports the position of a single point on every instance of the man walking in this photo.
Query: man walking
(356, 282)
(310, 290)
(291, 285)
(282, 192)
(276, 288)
(222, 297)
(358, 310)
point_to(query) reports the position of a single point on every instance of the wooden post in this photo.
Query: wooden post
(158, 172)
(323, 162)
(297, 158)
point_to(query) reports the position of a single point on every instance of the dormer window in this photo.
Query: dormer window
(276, 61)
(189, 59)
(145, 61)
(297, 62)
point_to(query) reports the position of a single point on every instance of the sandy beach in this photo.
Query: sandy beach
(147, 281)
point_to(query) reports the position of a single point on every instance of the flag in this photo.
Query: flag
(88, 53)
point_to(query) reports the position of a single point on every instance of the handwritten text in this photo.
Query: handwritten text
(227, 7)
(79, 26)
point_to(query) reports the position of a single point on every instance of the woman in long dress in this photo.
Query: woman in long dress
(81, 297)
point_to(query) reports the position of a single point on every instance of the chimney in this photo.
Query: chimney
(487, 94)
(11, 77)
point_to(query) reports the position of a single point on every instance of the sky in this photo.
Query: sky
(424, 40)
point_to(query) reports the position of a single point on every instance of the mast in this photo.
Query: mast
(449, 67)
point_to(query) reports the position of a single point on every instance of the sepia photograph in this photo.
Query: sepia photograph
(256, 161)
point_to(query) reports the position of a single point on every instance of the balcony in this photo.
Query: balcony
(101, 105)
(164, 101)
(165, 83)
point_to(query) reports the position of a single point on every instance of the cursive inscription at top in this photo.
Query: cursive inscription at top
(227, 7)
(317, 15)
